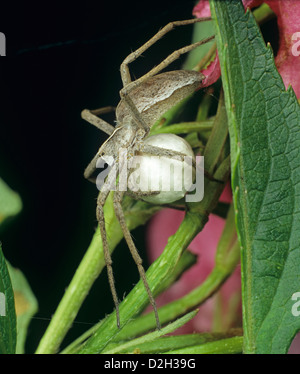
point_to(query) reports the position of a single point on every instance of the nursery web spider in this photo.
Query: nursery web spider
(143, 101)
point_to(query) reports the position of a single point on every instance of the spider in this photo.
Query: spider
(143, 102)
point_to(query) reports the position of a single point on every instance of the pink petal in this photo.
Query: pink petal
(287, 59)
(202, 9)
(212, 72)
(161, 227)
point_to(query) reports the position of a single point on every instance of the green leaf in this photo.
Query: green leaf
(10, 202)
(8, 333)
(265, 139)
(25, 303)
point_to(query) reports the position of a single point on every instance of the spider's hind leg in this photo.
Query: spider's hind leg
(106, 188)
(137, 259)
(90, 169)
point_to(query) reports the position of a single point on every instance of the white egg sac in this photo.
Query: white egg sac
(171, 176)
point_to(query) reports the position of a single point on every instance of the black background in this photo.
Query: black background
(62, 58)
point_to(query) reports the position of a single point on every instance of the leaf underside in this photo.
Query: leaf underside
(25, 304)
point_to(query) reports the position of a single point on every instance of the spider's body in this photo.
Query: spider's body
(157, 94)
(152, 99)
(143, 102)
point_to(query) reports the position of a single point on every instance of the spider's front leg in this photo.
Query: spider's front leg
(137, 259)
(129, 85)
(91, 116)
(90, 169)
(105, 190)
(161, 152)
(125, 73)
(164, 152)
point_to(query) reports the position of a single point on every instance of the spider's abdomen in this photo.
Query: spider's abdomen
(159, 93)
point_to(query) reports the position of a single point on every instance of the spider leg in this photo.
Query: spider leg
(106, 188)
(134, 112)
(118, 195)
(128, 85)
(162, 152)
(157, 151)
(90, 169)
(137, 195)
(91, 116)
(125, 73)
(172, 57)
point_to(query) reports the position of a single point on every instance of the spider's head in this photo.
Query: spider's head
(123, 137)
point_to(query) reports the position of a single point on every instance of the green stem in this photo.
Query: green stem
(74, 347)
(206, 59)
(204, 107)
(227, 257)
(184, 128)
(136, 301)
(87, 272)
(176, 342)
(176, 308)
(89, 269)
(186, 261)
(152, 336)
